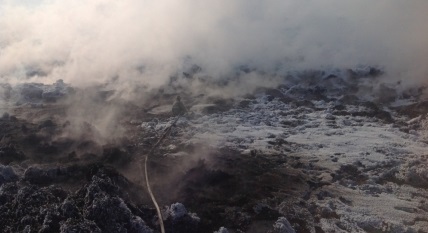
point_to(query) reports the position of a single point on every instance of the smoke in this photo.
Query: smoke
(125, 45)
(144, 42)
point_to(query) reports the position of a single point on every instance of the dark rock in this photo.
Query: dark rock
(345, 201)
(303, 103)
(282, 225)
(31, 91)
(5, 91)
(115, 155)
(83, 226)
(350, 172)
(57, 91)
(292, 123)
(317, 93)
(415, 174)
(348, 100)
(105, 206)
(223, 104)
(24, 128)
(222, 230)
(341, 113)
(177, 219)
(35, 206)
(51, 222)
(414, 110)
(8, 192)
(375, 112)
(236, 217)
(28, 220)
(363, 72)
(270, 98)
(137, 225)
(190, 72)
(330, 117)
(41, 176)
(244, 103)
(47, 149)
(386, 94)
(99, 206)
(274, 94)
(69, 209)
(110, 213)
(265, 212)
(47, 124)
(5, 116)
(373, 190)
(327, 212)
(33, 139)
(339, 107)
(10, 154)
(324, 194)
(7, 174)
(207, 109)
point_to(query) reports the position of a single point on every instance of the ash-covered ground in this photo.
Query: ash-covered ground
(321, 151)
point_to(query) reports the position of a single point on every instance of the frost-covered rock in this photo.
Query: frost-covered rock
(31, 205)
(373, 189)
(7, 174)
(38, 175)
(110, 213)
(69, 209)
(10, 154)
(282, 225)
(105, 206)
(56, 91)
(72, 226)
(149, 125)
(175, 211)
(38, 92)
(366, 71)
(178, 219)
(138, 225)
(98, 206)
(329, 116)
(415, 172)
(222, 230)
(5, 91)
(30, 91)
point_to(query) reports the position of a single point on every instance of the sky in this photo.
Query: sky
(146, 41)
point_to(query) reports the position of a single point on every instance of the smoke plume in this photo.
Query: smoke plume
(146, 41)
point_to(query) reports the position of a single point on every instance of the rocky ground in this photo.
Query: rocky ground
(322, 151)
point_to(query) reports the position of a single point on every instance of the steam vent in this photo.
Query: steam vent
(243, 116)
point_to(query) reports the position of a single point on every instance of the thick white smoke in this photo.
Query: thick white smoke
(145, 41)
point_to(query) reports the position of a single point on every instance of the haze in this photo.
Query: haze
(146, 41)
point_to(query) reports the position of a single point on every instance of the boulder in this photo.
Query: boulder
(177, 219)
(10, 154)
(282, 225)
(7, 174)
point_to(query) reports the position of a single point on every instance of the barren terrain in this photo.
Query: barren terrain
(323, 151)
